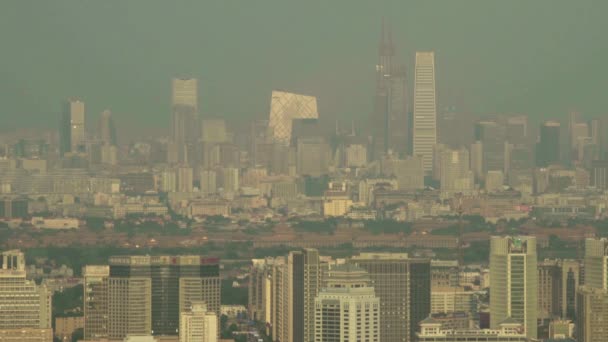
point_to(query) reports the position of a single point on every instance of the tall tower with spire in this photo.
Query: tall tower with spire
(389, 120)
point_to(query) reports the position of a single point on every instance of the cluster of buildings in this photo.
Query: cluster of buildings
(405, 164)
(174, 298)
(395, 297)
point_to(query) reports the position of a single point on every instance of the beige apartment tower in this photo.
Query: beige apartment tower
(25, 308)
(197, 324)
(514, 277)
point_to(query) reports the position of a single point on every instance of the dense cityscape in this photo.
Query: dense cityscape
(419, 223)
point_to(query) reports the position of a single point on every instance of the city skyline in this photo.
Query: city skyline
(325, 171)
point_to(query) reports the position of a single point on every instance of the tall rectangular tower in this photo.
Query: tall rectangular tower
(95, 301)
(389, 120)
(184, 107)
(72, 127)
(514, 278)
(596, 263)
(304, 282)
(403, 286)
(425, 109)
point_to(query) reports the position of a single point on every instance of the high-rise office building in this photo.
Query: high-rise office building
(389, 120)
(230, 179)
(313, 156)
(284, 108)
(493, 135)
(592, 298)
(72, 128)
(95, 299)
(403, 286)
(591, 314)
(454, 171)
(599, 174)
(571, 280)
(514, 278)
(425, 109)
(596, 263)
(145, 295)
(25, 308)
(186, 129)
(477, 160)
(184, 179)
(547, 148)
(517, 129)
(197, 324)
(303, 284)
(208, 182)
(260, 295)
(549, 289)
(107, 130)
(346, 308)
(408, 172)
(285, 299)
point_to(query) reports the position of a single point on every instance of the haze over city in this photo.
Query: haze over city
(535, 57)
(316, 171)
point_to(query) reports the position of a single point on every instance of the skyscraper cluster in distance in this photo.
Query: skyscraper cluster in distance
(422, 222)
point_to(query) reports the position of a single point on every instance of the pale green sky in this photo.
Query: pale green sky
(540, 57)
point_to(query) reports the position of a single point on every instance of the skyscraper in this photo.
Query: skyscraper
(72, 129)
(184, 107)
(514, 277)
(493, 135)
(455, 173)
(107, 130)
(146, 294)
(547, 148)
(284, 108)
(591, 314)
(592, 298)
(549, 289)
(24, 306)
(95, 301)
(304, 282)
(596, 263)
(389, 120)
(403, 286)
(346, 308)
(425, 109)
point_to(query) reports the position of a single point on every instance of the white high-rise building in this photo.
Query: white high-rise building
(347, 308)
(23, 304)
(198, 324)
(425, 109)
(514, 282)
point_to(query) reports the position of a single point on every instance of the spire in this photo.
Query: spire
(385, 50)
(390, 46)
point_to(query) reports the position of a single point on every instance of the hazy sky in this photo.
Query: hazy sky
(540, 57)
